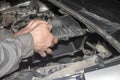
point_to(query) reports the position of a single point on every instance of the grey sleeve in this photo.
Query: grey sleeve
(13, 50)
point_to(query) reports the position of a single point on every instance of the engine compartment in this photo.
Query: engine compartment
(71, 55)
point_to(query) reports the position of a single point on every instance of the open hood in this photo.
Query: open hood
(96, 20)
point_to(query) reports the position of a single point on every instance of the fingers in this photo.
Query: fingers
(48, 51)
(47, 26)
(55, 40)
(44, 53)
(36, 23)
(33, 24)
(50, 27)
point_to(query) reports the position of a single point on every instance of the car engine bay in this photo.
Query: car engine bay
(79, 47)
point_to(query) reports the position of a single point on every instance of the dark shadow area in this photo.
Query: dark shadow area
(105, 8)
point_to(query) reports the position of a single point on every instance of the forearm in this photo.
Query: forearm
(13, 50)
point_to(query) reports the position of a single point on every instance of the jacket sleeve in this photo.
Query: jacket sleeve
(13, 50)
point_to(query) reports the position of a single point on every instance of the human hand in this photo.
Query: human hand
(43, 38)
(32, 24)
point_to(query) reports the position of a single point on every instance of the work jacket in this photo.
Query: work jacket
(13, 50)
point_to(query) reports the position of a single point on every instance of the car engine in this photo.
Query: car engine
(79, 46)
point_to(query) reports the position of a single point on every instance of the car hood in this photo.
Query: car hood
(106, 28)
